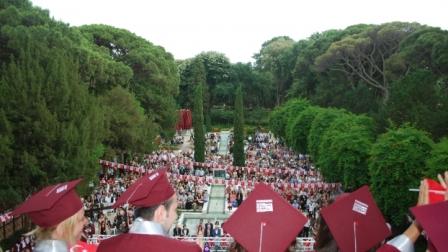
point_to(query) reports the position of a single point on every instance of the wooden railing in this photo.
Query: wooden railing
(12, 225)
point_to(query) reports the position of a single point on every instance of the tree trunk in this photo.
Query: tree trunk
(386, 94)
(278, 94)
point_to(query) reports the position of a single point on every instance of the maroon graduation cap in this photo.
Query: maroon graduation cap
(149, 190)
(434, 220)
(265, 222)
(355, 221)
(51, 205)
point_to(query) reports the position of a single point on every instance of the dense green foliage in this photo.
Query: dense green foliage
(297, 133)
(396, 74)
(319, 126)
(129, 129)
(398, 162)
(257, 89)
(258, 117)
(222, 116)
(276, 57)
(283, 116)
(344, 149)
(53, 125)
(437, 163)
(423, 105)
(222, 79)
(217, 88)
(377, 70)
(155, 81)
(238, 130)
(69, 96)
(349, 151)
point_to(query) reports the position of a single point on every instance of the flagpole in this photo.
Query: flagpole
(354, 232)
(262, 224)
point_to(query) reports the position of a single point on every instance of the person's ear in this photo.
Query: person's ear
(159, 213)
(58, 233)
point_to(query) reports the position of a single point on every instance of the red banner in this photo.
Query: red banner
(185, 120)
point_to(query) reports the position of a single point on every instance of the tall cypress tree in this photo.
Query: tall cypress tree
(238, 130)
(198, 125)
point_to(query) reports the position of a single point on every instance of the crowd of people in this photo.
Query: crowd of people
(291, 175)
(191, 195)
(212, 142)
(25, 244)
(264, 151)
(101, 218)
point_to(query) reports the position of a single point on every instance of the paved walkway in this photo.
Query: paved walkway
(217, 199)
(215, 208)
(187, 142)
(223, 148)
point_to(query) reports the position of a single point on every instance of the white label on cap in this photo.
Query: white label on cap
(61, 189)
(155, 175)
(264, 206)
(360, 207)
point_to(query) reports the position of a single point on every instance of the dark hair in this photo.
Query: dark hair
(236, 247)
(147, 213)
(325, 241)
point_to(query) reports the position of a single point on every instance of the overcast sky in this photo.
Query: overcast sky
(238, 28)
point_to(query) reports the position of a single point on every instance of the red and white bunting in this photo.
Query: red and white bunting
(229, 168)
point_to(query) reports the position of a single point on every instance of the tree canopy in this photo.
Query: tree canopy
(277, 57)
(69, 96)
(129, 129)
(155, 80)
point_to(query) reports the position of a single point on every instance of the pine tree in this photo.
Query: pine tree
(55, 124)
(238, 130)
(8, 196)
